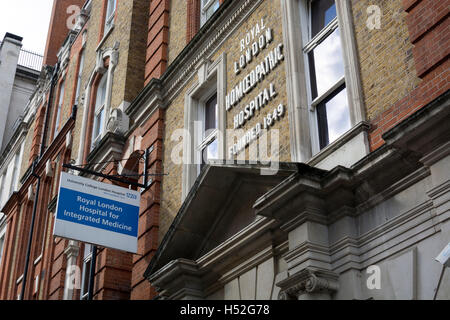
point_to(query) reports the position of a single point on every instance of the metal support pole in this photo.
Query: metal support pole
(98, 174)
(30, 237)
(146, 158)
(92, 273)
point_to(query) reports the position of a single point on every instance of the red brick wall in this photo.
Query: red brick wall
(113, 267)
(152, 135)
(428, 25)
(157, 40)
(37, 134)
(57, 31)
(193, 19)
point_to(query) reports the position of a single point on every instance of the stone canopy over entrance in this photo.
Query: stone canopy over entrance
(314, 228)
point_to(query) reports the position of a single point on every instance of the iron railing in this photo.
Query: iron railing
(30, 60)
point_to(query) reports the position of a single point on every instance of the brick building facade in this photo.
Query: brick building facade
(302, 143)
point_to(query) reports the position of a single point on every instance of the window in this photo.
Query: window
(2, 242)
(207, 9)
(58, 109)
(80, 72)
(87, 258)
(2, 189)
(325, 66)
(208, 147)
(99, 113)
(110, 12)
(204, 121)
(15, 173)
(320, 44)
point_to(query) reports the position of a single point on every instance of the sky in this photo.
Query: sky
(26, 18)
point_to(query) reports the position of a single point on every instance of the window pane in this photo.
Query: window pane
(80, 73)
(210, 11)
(61, 93)
(86, 273)
(1, 247)
(210, 152)
(87, 250)
(101, 93)
(322, 13)
(58, 115)
(333, 117)
(326, 64)
(111, 8)
(210, 113)
(98, 125)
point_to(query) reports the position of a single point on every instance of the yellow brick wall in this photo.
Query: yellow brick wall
(26, 151)
(128, 80)
(174, 118)
(387, 65)
(177, 28)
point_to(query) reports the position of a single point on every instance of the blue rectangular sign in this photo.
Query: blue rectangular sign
(98, 213)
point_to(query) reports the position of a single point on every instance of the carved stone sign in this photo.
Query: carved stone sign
(254, 46)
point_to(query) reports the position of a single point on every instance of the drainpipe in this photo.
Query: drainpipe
(38, 185)
(30, 236)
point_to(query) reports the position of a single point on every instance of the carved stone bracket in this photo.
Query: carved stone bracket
(307, 281)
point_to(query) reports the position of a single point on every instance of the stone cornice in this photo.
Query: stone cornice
(324, 196)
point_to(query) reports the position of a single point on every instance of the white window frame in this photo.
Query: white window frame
(205, 5)
(304, 141)
(209, 138)
(59, 107)
(15, 173)
(109, 15)
(2, 239)
(3, 186)
(87, 257)
(211, 79)
(99, 108)
(80, 73)
(309, 44)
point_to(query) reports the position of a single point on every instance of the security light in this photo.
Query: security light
(444, 256)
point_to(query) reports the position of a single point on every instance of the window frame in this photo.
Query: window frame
(61, 92)
(2, 186)
(79, 75)
(98, 109)
(109, 19)
(211, 78)
(310, 43)
(3, 242)
(204, 7)
(87, 260)
(303, 139)
(206, 139)
(16, 168)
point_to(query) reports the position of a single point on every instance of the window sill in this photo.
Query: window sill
(37, 260)
(336, 145)
(105, 36)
